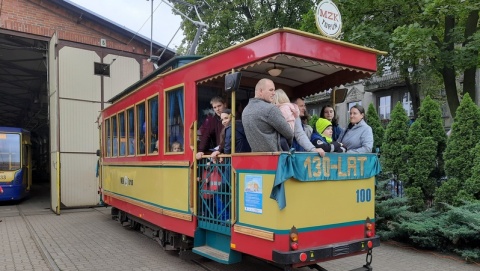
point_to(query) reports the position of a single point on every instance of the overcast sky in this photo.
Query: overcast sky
(135, 15)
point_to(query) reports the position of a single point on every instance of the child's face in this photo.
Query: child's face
(176, 148)
(328, 131)
(328, 113)
(225, 119)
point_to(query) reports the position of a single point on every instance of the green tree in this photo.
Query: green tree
(313, 120)
(464, 136)
(377, 128)
(394, 160)
(426, 143)
(431, 125)
(425, 39)
(234, 21)
(421, 163)
(472, 184)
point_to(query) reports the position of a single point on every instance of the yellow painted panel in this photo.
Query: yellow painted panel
(309, 204)
(166, 187)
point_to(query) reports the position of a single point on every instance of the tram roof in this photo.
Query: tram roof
(310, 63)
(13, 130)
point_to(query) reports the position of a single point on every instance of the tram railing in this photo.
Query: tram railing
(214, 194)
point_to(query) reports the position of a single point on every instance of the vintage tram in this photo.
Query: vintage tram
(293, 209)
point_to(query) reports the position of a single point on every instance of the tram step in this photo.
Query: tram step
(212, 253)
(215, 246)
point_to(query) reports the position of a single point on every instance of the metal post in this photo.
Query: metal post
(151, 29)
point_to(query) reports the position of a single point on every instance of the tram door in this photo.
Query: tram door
(53, 119)
(214, 203)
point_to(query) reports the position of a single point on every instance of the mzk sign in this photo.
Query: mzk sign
(329, 19)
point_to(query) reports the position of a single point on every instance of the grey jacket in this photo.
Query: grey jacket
(301, 136)
(263, 124)
(357, 139)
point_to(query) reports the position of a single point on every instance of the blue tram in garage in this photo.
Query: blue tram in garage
(15, 163)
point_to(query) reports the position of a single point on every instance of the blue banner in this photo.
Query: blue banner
(310, 167)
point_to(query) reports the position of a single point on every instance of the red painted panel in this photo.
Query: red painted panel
(166, 222)
(329, 52)
(263, 248)
(260, 162)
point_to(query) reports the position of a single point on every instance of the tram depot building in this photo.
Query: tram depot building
(60, 65)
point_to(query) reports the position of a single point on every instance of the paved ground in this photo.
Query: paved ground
(33, 238)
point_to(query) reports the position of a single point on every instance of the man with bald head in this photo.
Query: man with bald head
(263, 122)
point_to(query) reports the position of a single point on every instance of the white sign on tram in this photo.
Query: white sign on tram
(329, 19)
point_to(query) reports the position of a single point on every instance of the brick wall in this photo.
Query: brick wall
(43, 18)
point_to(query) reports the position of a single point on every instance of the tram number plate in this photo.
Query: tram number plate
(364, 195)
(3, 177)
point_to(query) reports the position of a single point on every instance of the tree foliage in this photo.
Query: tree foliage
(234, 21)
(430, 124)
(426, 143)
(313, 120)
(464, 136)
(420, 165)
(377, 128)
(455, 229)
(472, 184)
(432, 38)
(393, 158)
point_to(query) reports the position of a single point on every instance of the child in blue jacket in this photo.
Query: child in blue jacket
(322, 137)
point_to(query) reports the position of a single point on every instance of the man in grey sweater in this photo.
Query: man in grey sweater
(263, 122)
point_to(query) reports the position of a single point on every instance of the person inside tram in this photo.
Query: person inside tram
(176, 147)
(289, 111)
(300, 102)
(322, 137)
(358, 137)
(241, 143)
(263, 122)
(306, 127)
(211, 128)
(328, 112)
(301, 141)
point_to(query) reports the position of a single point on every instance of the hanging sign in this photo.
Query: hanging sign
(329, 19)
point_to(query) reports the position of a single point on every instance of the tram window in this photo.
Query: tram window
(131, 131)
(9, 151)
(114, 136)
(153, 125)
(122, 133)
(175, 120)
(108, 140)
(141, 128)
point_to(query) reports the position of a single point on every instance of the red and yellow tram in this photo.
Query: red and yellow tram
(294, 209)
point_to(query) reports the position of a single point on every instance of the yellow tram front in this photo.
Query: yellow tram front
(15, 163)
